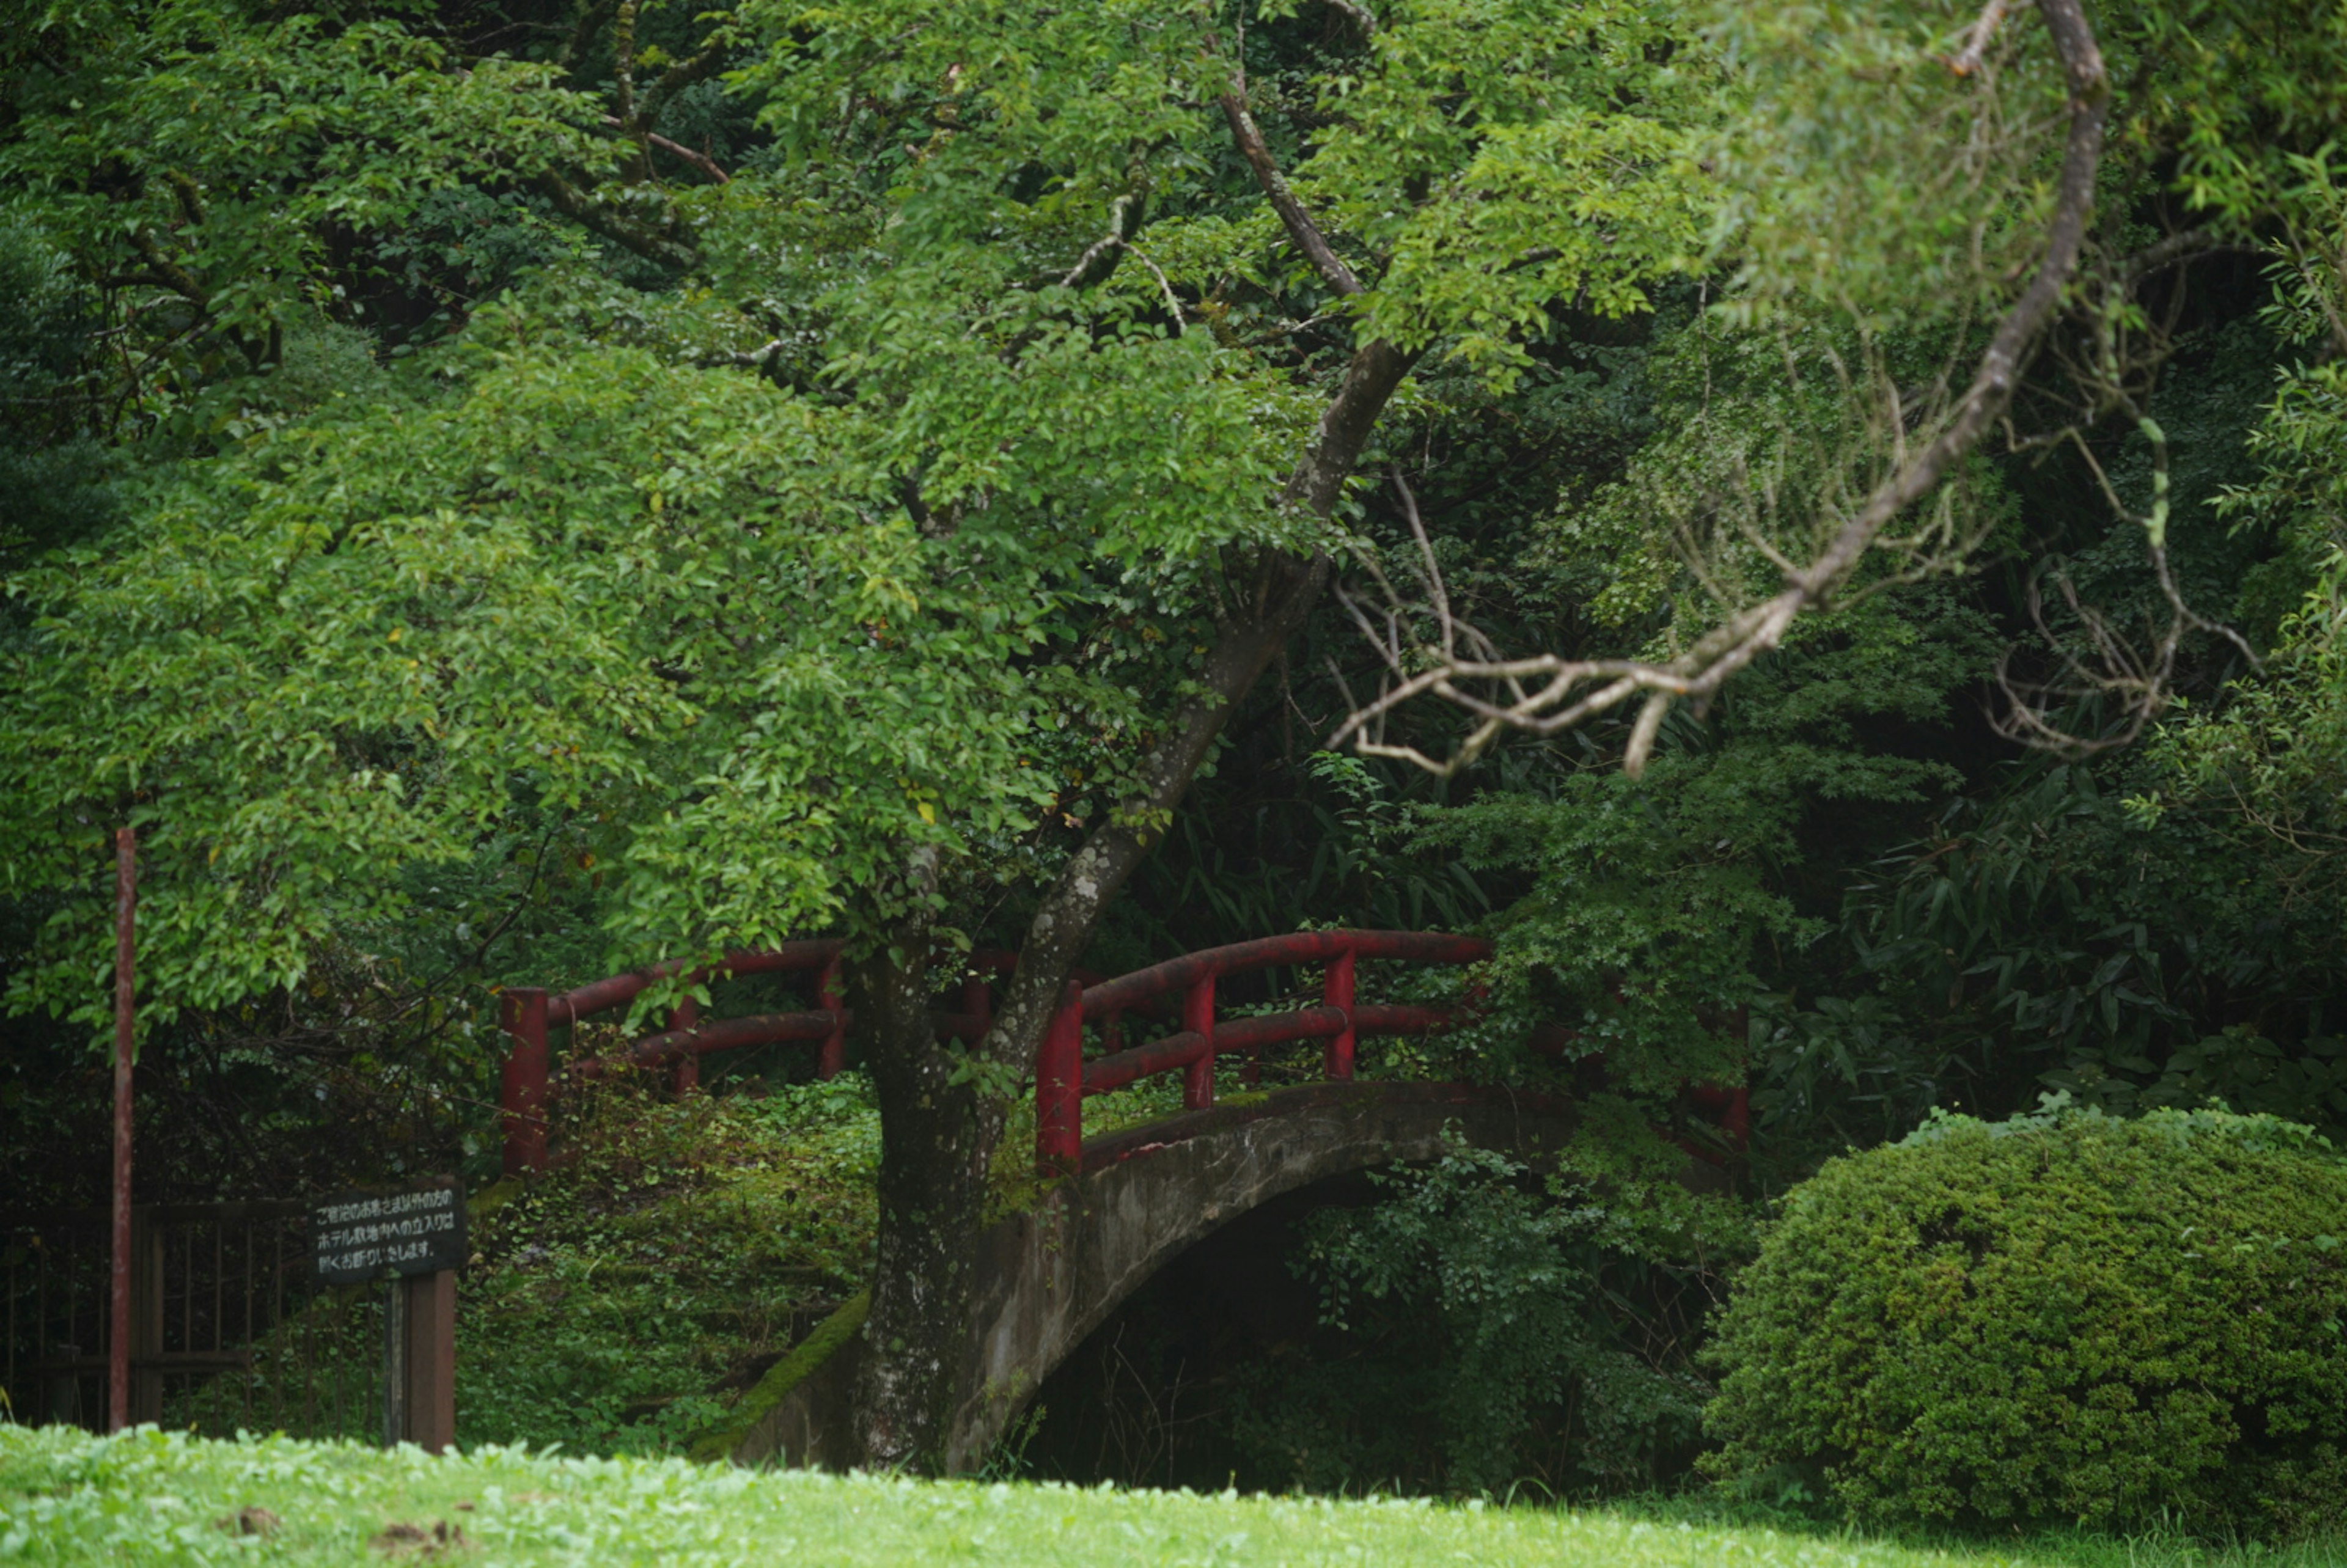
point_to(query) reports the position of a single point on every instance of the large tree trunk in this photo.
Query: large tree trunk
(934, 1147)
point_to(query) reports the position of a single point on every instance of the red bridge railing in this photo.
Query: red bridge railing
(530, 1014)
(1063, 1076)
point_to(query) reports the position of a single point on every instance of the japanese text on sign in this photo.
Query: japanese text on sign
(368, 1234)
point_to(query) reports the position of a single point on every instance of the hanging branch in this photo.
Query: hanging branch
(1571, 692)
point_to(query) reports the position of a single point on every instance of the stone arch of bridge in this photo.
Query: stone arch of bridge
(1046, 1277)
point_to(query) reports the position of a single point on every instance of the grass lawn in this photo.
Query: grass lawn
(154, 1496)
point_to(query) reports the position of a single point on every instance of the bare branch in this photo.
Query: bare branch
(1968, 60)
(1099, 259)
(1164, 286)
(1578, 689)
(1433, 572)
(579, 207)
(2142, 684)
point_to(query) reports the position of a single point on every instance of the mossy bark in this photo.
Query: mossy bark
(934, 1155)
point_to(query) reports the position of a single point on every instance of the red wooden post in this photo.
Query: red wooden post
(1060, 1088)
(125, 907)
(685, 1072)
(1198, 1018)
(521, 1091)
(1337, 991)
(834, 1055)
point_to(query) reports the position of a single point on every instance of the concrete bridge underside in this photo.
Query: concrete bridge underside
(1048, 1276)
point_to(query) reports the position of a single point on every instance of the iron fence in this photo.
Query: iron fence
(230, 1327)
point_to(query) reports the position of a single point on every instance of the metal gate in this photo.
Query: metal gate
(229, 1328)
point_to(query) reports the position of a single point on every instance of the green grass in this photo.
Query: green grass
(155, 1497)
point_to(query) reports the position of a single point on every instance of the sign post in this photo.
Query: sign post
(412, 1238)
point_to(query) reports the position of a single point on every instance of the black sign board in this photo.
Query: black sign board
(373, 1232)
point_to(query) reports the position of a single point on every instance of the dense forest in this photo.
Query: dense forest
(1817, 528)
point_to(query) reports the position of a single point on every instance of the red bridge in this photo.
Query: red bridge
(1049, 1277)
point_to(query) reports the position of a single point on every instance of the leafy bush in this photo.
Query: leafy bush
(2062, 1317)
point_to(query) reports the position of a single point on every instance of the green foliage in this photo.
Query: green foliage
(2065, 1316)
(2259, 768)
(624, 1303)
(2047, 938)
(1474, 168)
(223, 172)
(556, 578)
(556, 581)
(53, 471)
(1517, 1314)
(1865, 177)
(1648, 918)
(1503, 155)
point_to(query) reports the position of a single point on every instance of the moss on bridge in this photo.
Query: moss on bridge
(783, 1380)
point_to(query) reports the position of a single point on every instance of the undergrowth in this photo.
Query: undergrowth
(623, 1302)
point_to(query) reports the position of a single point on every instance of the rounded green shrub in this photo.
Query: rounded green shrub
(2066, 1317)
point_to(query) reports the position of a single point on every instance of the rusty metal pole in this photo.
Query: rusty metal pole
(125, 907)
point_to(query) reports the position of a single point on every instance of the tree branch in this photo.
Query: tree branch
(1300, 227)
(579, 207)
(1968, 60)
(1284, 590)
(700, 160)
(1576, 690)
(170, 273)
(1093, 268)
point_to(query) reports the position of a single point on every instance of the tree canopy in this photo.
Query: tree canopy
(501, 494)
